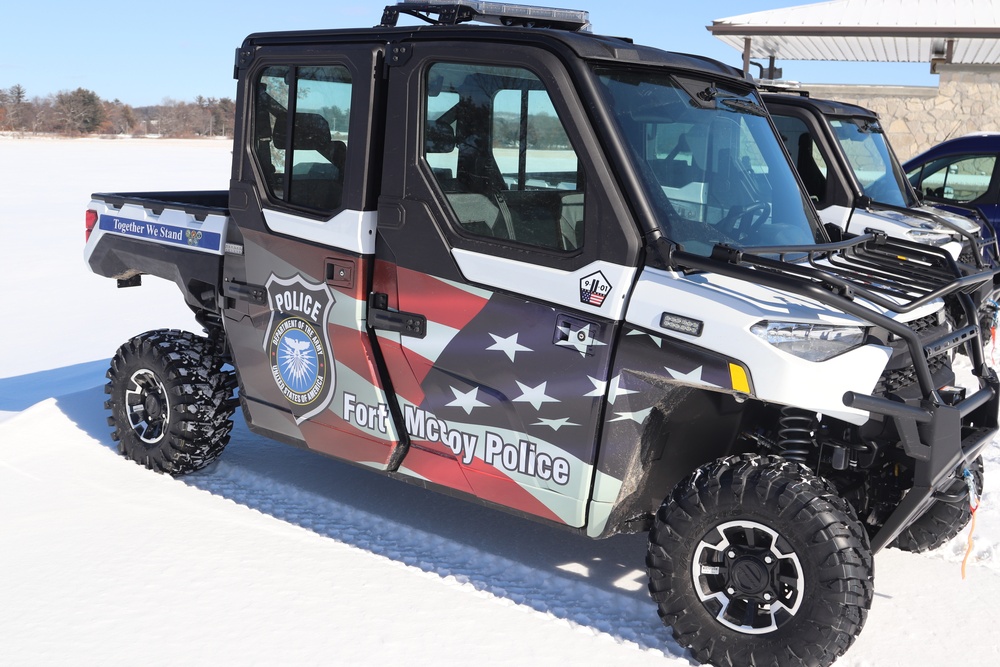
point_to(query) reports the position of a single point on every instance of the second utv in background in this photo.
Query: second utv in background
(852, 175)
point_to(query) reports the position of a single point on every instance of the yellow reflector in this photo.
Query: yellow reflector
(738, 377)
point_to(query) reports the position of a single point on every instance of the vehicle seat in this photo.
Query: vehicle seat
(694, 142)
(479, 214)
(809, 172)
(317, 185)
(571, 221)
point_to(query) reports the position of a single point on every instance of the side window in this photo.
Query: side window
(441, 149)
(805, 155)
(501, 155)
(530, 144)
(961, 179)
(301, 121)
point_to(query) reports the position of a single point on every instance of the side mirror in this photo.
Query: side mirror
(862, 201)
(835, 233)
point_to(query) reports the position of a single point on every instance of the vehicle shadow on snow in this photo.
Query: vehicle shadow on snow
(595, 583)
(22, 391)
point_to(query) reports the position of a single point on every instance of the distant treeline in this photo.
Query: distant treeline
(81, 111)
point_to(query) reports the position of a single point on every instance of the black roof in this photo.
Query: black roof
(584, 45)
(825, 107)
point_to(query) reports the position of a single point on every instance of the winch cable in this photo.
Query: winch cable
(993, 332)
(970, 482)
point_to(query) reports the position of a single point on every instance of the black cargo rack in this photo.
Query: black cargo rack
(453, 12)
(987, 241)
(976, 245)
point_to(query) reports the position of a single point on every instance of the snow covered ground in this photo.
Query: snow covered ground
(276, 555)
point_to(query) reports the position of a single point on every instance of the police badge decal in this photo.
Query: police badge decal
(298, 344)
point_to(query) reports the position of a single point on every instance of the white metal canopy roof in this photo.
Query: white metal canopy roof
(955, 31)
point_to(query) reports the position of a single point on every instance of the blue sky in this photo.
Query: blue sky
(142, 53)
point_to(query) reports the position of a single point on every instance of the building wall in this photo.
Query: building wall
(967, 99)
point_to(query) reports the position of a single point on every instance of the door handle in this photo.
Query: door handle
(253, 293)
(406, 324)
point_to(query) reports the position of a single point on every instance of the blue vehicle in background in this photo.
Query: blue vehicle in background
(961, 175)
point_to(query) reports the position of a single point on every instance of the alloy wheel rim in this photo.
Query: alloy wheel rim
(147, 406)
(748, 577)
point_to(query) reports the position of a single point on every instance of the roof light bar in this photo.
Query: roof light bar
(453, 12)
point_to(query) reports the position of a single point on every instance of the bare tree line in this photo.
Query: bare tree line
(82, 112)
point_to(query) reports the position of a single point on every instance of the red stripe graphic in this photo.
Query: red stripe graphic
(479, 479)
(352, 348)
(405, 384)
(437, 300)
(342, 439)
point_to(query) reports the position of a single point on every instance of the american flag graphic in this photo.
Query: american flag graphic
(591, 297)
(594, 289)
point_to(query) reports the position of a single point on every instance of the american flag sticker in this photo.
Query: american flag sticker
(594, 289)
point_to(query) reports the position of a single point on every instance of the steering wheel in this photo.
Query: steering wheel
(740, 222)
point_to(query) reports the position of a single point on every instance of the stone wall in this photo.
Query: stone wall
(966, 100)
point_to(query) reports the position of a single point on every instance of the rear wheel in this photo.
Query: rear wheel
(754, 560)
(171, 402)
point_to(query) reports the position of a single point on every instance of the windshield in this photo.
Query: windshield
(713, 166)
(867, 152)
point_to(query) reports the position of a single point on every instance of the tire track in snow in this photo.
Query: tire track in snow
(622, 616)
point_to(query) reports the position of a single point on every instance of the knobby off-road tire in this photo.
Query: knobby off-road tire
(756, 561)
(171, 403)
(942, 521)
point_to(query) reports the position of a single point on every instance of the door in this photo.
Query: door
(498, 242)
(807, 152)
(296, 288)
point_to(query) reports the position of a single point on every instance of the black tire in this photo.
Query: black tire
(756, 561)
(942, 521)
(171, 402)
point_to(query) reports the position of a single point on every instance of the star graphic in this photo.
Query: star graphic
(616, 390)
(556, 424)
(508, 345)
(600, 387)
(638, 417)
(534, 395)
(579, 339)
(467, 401)
(694, 377)
(655, 339)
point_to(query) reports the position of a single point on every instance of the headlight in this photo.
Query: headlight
(813, 342)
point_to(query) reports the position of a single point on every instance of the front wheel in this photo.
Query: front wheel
(755, 560)
(170, 400)
(942, 521)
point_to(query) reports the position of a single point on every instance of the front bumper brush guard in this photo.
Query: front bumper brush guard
(941, 439)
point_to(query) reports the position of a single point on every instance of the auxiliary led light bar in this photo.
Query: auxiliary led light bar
(680, 324)
(452, 12)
